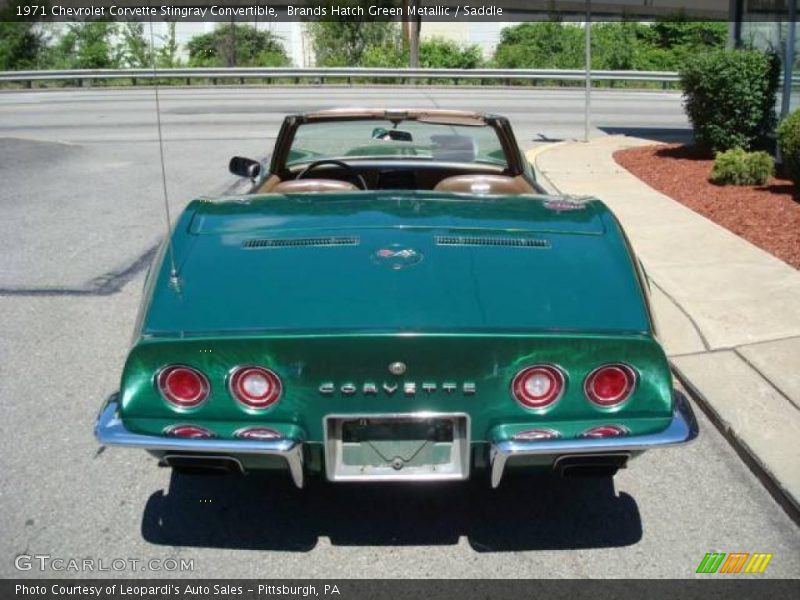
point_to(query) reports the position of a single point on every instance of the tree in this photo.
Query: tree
(350, 42)
(617, 46)
(134, 49)
(677, 30)
(620, 45)
(252, 48)
(22, 43)
(434, 53)
(87, 46)
(550, 44)
(439, 53)
(167, 52)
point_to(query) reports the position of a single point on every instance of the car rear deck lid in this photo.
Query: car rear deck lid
(275, 215)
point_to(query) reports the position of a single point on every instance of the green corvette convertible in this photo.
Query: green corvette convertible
(396, 300)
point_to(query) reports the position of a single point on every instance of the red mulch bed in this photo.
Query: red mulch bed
(767, 216)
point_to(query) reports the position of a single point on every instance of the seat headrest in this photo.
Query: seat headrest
(313, 186)
(491, 185)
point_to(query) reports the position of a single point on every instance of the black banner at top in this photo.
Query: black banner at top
(394, 10)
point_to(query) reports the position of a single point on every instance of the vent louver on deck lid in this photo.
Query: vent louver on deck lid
(302, 242)
(462, 240)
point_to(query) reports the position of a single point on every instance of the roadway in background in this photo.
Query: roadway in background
(80, 168)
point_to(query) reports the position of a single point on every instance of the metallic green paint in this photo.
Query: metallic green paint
(319, 315)
(304, 362)
(582, 281)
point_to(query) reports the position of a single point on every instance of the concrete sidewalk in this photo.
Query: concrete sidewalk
(728, 312)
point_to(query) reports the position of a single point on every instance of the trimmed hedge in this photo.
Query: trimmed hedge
(729, 96)
(738, 167)
(789, 145)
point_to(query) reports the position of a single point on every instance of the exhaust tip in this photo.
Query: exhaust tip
(202, 465)
(603, 465)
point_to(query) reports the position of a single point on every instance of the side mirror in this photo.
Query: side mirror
(245, 167)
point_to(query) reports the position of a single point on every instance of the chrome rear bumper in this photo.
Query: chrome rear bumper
(110, 431)
(681, 430)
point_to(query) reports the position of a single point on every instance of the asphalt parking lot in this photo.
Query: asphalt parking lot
(81, 211)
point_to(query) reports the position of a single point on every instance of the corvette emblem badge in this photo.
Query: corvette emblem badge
(396, 257)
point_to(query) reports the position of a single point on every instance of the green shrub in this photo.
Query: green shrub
(439, 53)
(542, 45)
(739, 167)
(663, 45)
(239, 45)
(789, 145)
(729, 96)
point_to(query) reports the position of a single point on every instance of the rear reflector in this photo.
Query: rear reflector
(258, 433)
(604, 431)
(182, 386)
(189, 431)
(536, 435)
(610, 385)
(538, 386)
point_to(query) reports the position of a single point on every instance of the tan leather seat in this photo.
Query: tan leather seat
(312, 186)
(492, 185)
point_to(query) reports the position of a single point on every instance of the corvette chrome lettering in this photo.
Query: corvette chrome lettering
(410, 388)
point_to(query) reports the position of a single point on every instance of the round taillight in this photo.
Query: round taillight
(610, 385)
(604, 431)
(536, 435)
(182, 386)
(538, 386)
(258, 433)
(255, 387)
(189, 431)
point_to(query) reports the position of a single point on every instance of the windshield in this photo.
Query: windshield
(375, 138)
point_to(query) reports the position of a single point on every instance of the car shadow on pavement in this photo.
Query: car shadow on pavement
(668, 135)
(264, 511)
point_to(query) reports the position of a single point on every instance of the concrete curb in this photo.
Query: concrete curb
(767, 478)
(541, 177)
(758, 451)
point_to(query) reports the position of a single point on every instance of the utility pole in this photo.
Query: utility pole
(413, 37)
(232, 59)
(587, 109)
(406, 24)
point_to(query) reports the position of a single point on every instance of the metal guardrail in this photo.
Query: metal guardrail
(321, 74)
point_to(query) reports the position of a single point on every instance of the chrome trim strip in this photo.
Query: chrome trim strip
(111, 431)
(682, 429)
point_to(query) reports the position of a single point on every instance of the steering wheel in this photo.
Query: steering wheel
(354, 175)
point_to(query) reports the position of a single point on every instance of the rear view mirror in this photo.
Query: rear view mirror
(395, 135)
(244, 167)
